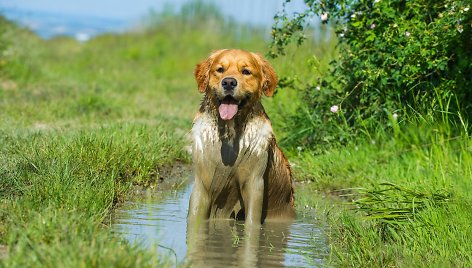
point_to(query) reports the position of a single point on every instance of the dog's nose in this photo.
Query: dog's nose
(229, 83)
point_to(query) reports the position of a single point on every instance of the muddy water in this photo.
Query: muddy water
(161, 223)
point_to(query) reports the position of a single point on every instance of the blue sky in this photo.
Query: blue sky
(100, 8)
(249, 11)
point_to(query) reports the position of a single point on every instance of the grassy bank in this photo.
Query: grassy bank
(405, 200)
(78, 128)
(58, 188)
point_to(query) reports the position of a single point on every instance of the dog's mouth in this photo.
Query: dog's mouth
(229, 107)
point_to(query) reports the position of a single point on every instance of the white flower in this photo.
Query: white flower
(334, 109)
(372, 26)
(407, 34)
(394, 116)
(318, 88)
(324, 17)
(466, 9)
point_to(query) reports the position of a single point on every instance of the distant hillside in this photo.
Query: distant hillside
(47, 24)
(88, 21)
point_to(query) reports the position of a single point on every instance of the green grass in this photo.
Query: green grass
(405, 200)
(58, 189)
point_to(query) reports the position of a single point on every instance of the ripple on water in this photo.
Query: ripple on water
(163, 222)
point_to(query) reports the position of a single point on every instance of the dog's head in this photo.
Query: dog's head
(234, 79)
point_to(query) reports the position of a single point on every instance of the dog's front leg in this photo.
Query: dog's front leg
(199, 205)
(255, 200)
(198, 212)
(254, 191)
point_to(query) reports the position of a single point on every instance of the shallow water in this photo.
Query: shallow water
(162, 223)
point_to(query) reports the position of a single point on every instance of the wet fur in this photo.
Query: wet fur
(239, 170)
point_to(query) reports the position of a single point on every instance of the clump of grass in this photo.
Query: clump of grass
(393, 204)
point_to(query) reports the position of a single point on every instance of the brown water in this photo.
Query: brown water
(162, 223)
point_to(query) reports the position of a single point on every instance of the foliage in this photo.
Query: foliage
(396, 58)
(402, 79)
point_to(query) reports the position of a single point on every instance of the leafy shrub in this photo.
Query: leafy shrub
(396, 58)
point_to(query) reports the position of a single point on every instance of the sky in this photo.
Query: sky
(249, 11)
(94, 8)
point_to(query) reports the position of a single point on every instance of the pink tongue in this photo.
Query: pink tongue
(228, 110)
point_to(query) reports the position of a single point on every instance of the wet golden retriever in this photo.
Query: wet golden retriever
(240, 172)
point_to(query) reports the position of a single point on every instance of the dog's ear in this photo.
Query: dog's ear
(269, 77)
(202, 71)
(202, 74)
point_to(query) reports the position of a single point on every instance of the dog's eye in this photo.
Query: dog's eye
(220, 70)
(246, 72)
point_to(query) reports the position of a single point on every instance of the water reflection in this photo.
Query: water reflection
(218, 243)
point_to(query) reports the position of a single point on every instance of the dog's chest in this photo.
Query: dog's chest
(227, 145)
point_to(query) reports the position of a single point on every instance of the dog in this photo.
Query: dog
(240, 172)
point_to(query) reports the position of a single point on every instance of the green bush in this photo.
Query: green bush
(396, 59)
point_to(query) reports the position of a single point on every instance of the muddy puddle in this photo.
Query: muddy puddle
(159, 221)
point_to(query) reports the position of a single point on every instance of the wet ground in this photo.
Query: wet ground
(159, 220)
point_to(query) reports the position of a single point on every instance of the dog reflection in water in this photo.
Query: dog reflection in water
(240, 172)
(228, 243)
